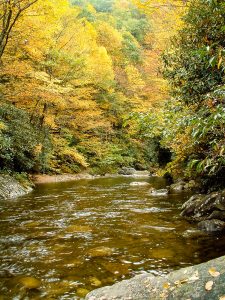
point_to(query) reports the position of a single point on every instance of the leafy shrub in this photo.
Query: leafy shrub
(194, 128)
(23, 146)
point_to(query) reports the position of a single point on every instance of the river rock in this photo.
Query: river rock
(116, 268)
(220, 201)
(191, 185)
(11, 188)
(82, 292)
(100, 252)
(199, 206)
(140, 183)
(213, 225)
(217, 214)
(94, 281)
(161, 192)
(208, 210)
(204, 281)
(30, 282)
(177, 187)
(127, 171)
(78, 229)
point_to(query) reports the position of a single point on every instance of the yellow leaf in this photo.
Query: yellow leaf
(222, 297)
(166, 285)
(219, 62)
(213, 272)
(209, 285)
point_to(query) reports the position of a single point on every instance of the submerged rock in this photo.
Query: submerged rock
(95, 281)
(30, 282)
(100, 252)
(78, 229)
(116, 268)
(204, 281)
(82, 292)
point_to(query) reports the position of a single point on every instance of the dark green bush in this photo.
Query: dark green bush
(23, 146)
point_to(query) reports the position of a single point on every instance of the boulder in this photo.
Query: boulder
(30, 283)
(191, 185)
(177, 187)
(199, 207)
(208, 210)
(217, 214)
(212, 225)
(188, 208)
(220, 201)
(204, 281)
(11, 188)
(101, 251)
(127, 171)
(182, 185)
(134, 173)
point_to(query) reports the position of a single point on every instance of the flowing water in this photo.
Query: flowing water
(78, 236)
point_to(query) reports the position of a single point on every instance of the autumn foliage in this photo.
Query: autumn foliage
(79, 70)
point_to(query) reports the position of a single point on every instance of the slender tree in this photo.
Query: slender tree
(10, 12)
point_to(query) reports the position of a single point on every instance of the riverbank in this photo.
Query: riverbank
(12, 188)
(204, 281)
(44, 178)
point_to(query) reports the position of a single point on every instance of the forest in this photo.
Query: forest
(112, 149)
(100, 85)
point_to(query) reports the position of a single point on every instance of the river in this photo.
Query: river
(78, 236)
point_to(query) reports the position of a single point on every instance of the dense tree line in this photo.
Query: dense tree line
(191, 125)
(76, 70)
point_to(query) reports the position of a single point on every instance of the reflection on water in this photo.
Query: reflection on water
(66, 239)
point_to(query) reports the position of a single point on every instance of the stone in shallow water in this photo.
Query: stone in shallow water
(141, 183)
(73, 262)
(161, 192)
(78, 229)
(116, 268)
(30, 282)
(82, 292)
(95, 281)
(161, 253)
(127, 171)
(100, 252)
(32, 224)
